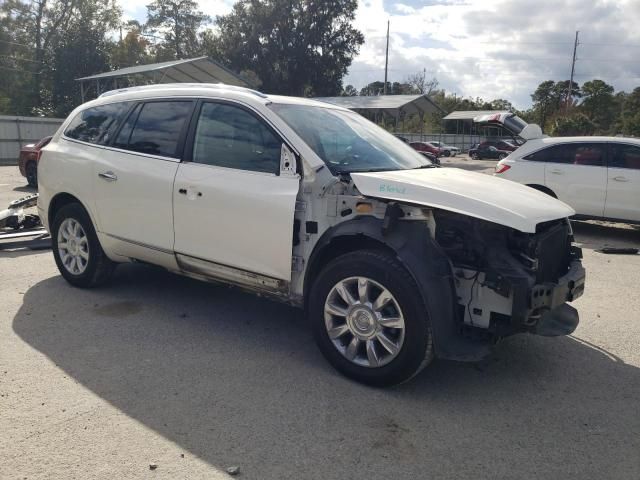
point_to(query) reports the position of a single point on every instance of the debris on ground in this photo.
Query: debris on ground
(233, 470)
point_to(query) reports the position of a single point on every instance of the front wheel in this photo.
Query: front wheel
(501, 156)
(446, 153)
(76, 248)
(475, 156)
(369, 319)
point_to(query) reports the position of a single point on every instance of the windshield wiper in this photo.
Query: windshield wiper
(428, 165)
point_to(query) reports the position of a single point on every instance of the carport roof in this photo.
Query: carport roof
(470, 114)
(189, 70)
(392, 104)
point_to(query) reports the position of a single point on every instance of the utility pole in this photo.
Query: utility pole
(386, 62)
(573, 67)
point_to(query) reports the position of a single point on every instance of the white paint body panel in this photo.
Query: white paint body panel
(481, 196)
(241, 219)
(581, 186)
(136, 207)
(623, 194)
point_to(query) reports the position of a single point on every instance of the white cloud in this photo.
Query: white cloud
(492, 49)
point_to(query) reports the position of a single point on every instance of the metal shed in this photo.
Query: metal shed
(189, 70)
(397, 107)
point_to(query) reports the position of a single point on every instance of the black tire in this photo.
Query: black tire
(31, 172)
(501, 156)
(475, 156)
(446, 153)
(416, 351)
(99, 267)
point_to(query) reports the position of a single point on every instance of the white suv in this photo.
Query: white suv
(394, 260)
(599, 177)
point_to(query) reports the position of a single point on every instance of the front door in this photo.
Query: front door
(233, 209)
(133, 177)
(577, 174)
(623, 182)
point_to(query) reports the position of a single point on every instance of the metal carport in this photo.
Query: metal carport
(394, 106)
(189, 70)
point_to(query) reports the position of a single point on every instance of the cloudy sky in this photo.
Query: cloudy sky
(492, 49)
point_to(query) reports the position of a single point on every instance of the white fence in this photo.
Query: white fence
(18, 131)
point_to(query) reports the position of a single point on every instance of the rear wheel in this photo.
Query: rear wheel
(31, 172)
(446, 153)
(76, 248)
(369, 320)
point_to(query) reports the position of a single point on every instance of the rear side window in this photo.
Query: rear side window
(229, 136)
(155, 128)
(624, 156)
(590, 154)
(97, 124)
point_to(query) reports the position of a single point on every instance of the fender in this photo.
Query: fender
(431, 269)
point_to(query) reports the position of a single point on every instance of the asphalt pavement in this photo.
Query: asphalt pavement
(160, 376)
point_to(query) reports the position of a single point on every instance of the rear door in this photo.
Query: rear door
(577, 174)
(233, 207)
(623, 182)
(133, 179)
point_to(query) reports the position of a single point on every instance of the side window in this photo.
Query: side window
(229, 136)
(539, 156)
(590, 154)
(97, 124)
(155, 128)
(624, 156)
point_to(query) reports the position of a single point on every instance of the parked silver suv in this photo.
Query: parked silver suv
(395, 261)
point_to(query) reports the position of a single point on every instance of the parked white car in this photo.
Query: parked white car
(599, 177)
(447, 150)
(394, 260)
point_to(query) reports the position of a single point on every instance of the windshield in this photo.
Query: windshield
(347, 142)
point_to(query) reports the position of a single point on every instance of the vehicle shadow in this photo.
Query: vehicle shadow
(598, 234)
(236, 379)
(26, 188)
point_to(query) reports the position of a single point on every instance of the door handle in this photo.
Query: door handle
(621, 179)
(184, 191)
(108, 176)
(557, 172)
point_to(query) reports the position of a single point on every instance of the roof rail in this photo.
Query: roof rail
(157, 86)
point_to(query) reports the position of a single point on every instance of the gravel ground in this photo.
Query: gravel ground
(194, 378)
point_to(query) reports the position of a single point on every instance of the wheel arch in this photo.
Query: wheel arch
(60, 200)
(411, 243)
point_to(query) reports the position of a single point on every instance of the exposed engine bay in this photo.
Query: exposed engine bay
(507, 280)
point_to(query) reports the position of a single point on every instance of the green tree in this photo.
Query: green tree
(599, 104)
(180, 20)
(349, 91)
(295, 47)
(574, 125)
(630, 117)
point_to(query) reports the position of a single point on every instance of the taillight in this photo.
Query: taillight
(502, 168)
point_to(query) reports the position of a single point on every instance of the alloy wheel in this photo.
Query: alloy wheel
(364, 322)
(73, 246)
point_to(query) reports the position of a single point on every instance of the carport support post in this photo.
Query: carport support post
(82, 90)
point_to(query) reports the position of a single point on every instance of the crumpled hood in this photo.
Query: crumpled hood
(482, 196)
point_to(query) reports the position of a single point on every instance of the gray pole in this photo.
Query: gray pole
(573, 67)
(386, 62)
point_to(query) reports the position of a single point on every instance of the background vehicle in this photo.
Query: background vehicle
(426, 147)
(598, 176)
(431, 157)
(500, 145)
(447, 150)
(481, 151)
(28, 160)
(394, 261)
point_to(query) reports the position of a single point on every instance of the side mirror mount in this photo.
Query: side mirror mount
(288, 164)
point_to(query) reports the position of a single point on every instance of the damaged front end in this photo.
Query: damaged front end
(508, 281)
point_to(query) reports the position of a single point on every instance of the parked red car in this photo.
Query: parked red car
(28, 160)
(426, 147)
